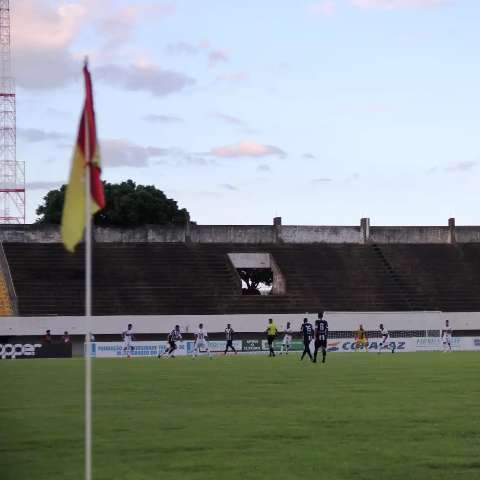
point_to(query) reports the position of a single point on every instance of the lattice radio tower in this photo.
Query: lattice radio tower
(12, 173)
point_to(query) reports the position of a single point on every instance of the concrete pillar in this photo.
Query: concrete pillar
(188, 237)
(451, 231)
(277, 229)
(364, 230)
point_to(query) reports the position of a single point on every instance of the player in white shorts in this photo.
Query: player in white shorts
(127, 336)
(287, 339)
(201, 341)
(384, 342)
(447, 337)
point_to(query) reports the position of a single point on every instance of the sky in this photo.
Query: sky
(318, 112)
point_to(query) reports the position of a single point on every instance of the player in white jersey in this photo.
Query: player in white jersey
(127, 336)
(384, 342)
(201, 341)
(447, 337)
(287, 339)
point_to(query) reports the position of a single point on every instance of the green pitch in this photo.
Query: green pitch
(360, 416)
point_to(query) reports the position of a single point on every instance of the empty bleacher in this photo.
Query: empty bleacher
(176, 278)
(442, 277)
(5, 301)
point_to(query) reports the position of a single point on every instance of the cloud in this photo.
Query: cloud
(154, 118)
(325, 9)
(228, 186)
(247, 149)
(43, 36)
(43, 185)
(117, 26)
(217, 56)
(182, 48)
(464, 166)
(229, 119)
(214, 55)
(147, 78)
(33, 135)
(263, 168)
(122, 153)
(398, 4)
(39, 25)
(310, 156)
(461, 166)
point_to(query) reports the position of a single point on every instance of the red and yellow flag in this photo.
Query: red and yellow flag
(86, 153)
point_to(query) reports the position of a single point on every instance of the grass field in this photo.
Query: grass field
(360, 416)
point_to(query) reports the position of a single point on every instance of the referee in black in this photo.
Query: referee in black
(229, 337)
(307, 332)
(321, 337)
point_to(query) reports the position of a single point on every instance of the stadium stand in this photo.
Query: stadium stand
(5, 303)
(180, 278)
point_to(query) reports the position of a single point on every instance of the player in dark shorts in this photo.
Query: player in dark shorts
(321, 337)
(172, 338)
(271, 333)
(307, 333)
(229, 337)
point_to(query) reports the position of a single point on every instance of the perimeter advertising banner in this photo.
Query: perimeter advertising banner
(153, 349)
(413, 344)
(140, 349)
(345, 345)
(12, 351)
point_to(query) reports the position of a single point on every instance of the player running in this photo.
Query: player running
(385, 339)
(287, 339)
(361, 339)
(321, 337)
(173, 337)
(201, 341)
(307, 332)
(447, 337)
(271, 333)
(127, 336)
(229, 337)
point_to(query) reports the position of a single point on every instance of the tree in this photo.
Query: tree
(127, 205)
(253, 277)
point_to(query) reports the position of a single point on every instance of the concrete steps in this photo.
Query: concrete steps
(155, 278)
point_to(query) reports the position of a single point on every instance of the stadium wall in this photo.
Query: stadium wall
(256, 234)
(339, 321)
(21, 330)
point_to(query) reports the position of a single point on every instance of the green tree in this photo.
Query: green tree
(127, 205)
(253, 277)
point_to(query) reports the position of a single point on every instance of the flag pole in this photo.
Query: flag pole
(88, 304)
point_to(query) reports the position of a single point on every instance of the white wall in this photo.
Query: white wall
(241, 323)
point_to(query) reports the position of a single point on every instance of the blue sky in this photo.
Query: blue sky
(319, 112)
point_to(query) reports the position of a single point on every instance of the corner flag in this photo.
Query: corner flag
(86, 158)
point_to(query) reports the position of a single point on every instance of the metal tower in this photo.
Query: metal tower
(12, 173)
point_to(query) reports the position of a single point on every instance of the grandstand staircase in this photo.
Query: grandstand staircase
(414, 300)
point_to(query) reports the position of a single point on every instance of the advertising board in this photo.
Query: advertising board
(340, 345)
(12, 351)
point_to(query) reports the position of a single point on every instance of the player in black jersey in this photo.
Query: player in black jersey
(307, 332)
(172, 338)
(321, 337)
(229, 337)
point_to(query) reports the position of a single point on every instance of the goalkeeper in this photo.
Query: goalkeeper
(361, 339)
